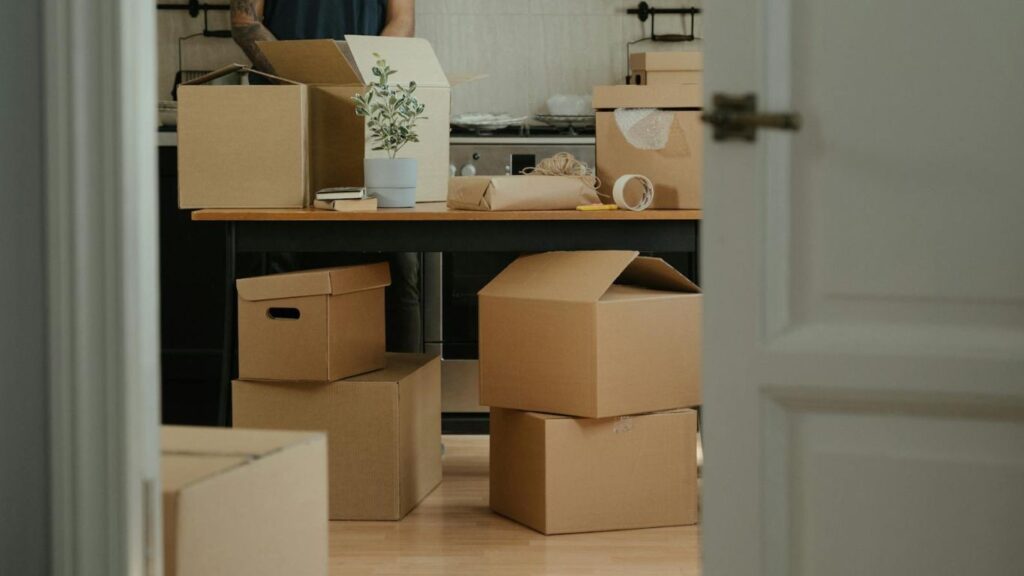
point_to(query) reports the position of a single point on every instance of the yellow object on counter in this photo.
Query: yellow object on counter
(594, 207)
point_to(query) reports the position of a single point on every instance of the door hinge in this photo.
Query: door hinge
(736, 118)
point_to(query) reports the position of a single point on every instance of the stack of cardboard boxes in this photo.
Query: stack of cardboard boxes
(653, 128)
(311, 357)
(590, 362)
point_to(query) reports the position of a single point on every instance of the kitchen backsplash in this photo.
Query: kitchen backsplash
(530, 49)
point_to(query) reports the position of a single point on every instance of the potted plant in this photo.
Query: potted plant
(391, 113)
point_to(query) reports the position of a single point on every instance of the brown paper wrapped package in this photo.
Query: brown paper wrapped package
(526, 192)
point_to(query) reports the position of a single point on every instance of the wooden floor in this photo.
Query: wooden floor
(453, 532)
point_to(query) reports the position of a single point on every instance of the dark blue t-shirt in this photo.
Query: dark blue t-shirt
(312, 19)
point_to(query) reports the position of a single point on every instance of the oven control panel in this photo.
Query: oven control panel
(487, 159)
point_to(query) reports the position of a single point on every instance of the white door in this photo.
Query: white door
(864, 282)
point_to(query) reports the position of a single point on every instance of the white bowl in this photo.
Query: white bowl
(570, 105)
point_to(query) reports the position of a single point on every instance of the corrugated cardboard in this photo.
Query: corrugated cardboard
(243, 146)
(676, 169)
(665, 97)
(591, 334)
(318, 325)
(557, 474)
(665, 77)
(383, 432)
(335, 71)
(666, 61)
(247, 502)
(666, 68)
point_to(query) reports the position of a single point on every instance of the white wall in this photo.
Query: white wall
(24, 424)
(532, 49)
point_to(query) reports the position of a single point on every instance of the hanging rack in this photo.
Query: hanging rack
(644, 11)
(193, 7)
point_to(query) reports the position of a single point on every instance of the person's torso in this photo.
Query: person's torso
(308, 19)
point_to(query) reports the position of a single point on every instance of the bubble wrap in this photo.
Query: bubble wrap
(645, 128)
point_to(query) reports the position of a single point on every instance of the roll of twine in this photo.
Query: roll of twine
(565, 164)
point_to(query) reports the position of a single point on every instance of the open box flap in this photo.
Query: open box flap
(325, 281)
(311, 61)
(413, 59)
(656, 274)
(459, 79)
(232, 68)
(564, 276)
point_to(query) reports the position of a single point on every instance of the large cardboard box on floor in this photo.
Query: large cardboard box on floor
(383, 432)
(320, 325)
(274, 146)
(558, 474)
(590, 334)
(664, 144)
(666, 68)
(339, 140)
(243, 502)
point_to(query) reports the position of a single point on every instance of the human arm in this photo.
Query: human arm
(247, 28)
(401, 18)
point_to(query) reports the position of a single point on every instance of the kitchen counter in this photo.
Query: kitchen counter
(168, 138)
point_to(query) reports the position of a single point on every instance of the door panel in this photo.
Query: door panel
(864, 288)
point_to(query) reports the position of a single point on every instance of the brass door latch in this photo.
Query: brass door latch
(737, 118)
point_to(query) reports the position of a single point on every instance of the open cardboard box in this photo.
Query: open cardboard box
(250, 502)
(674, 169)
(558, 474)
(590, 334)
(275, 146)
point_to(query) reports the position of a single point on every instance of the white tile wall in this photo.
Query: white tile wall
(531, 49)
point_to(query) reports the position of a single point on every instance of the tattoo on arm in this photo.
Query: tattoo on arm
(247, 28)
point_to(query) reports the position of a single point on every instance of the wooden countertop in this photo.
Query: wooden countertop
(431, 211)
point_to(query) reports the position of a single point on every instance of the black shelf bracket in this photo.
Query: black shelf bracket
(194, 7)
(645, 12)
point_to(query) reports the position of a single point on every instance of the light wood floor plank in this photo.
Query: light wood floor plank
(454, 532)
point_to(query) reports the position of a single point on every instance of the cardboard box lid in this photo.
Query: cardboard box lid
(190, 454)
(662, 96)
(351, 61)
(399, 367)
(547, 416)
(666, 61)
(325, 281)
(583, 276)
(229, 69)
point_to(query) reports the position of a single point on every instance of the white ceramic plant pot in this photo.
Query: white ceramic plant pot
(392, 181)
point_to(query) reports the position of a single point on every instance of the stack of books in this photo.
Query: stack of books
(344, 199)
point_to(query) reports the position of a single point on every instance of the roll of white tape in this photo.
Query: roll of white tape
(619, 192)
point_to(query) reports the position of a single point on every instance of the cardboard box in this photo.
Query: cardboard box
(319, 325)
(243, 146)
(247, 502)
(666, 68)
(557, 474)
(383, 432)
(339, 140)
(275, 146)
(674, 169)
(667, 61)
(591, 334)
